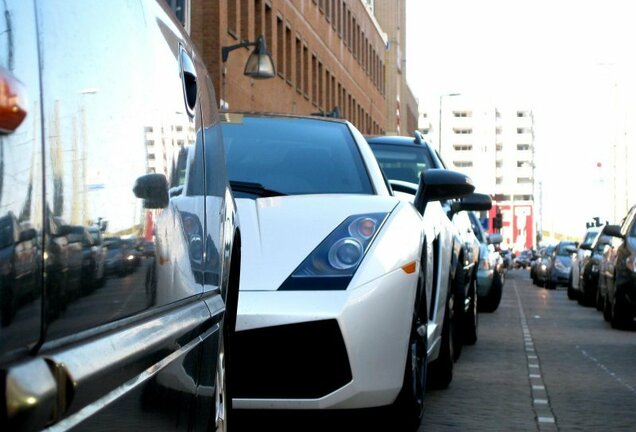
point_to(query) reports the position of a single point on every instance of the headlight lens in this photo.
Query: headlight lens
(345, 253)
(333, 263)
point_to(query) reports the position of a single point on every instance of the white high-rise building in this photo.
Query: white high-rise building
(494, 145)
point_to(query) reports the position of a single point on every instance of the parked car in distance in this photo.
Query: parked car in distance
(490, 272)
(620, 273)
(98, 100)
(588, 293)
(326, 247)
(507, 256)
(402, 160)
(522, 261)
(559, 271)
(578, 260)
(540, 266)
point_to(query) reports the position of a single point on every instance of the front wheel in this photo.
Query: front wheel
(408, 408)
(440, 371)
(490, 302)
(471, 318)
(220, 393)
(620, 317)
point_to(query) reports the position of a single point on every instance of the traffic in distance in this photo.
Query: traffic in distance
(168, 264)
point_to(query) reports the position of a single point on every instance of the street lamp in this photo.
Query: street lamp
(259, 64)
(439, 138)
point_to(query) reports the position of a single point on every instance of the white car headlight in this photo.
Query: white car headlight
(333, 263)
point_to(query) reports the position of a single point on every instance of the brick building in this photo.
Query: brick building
(327, 53)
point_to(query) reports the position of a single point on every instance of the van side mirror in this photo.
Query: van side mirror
(153, 189)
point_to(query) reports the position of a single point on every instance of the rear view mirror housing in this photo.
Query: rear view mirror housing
(495, 238)
(441, 184)
(613, 230)
(153, 189)
(473, 202)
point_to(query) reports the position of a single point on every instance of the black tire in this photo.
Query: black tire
(600, 300)
(440, 371)
(229, 328)
(457, 303)
(607, 308)
(572, 295)
(471, 318)
(620, 317)
(490, 302)
(408, 409)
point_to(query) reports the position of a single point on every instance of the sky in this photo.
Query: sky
(569, 61)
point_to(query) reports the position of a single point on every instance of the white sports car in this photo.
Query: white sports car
(333, 295)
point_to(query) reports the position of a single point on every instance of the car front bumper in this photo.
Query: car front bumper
(373, 322)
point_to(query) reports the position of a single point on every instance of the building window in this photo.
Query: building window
(523, 147)
(498, 130)
(288, 54)
(268, 26)
(280, 46)
(245, 17)
(463, 131)
(258, 18)
(463, 147)
(462, 114)
(306, 71)
(523, 164)
(522, 114)
(321, 94)
(523, 130)
(499, 163)
(499, 180)
(463, 164)
(299, 65)
(498, 147)
(524, 180)
(314, 79)
(232, 17)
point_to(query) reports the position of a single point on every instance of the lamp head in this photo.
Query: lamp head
(260, 64)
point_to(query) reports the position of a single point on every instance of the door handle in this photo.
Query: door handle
(31, 396)
(189, 80)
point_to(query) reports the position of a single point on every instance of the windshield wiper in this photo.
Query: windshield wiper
(254, 189)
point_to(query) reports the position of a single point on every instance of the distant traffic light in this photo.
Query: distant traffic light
(497, 222)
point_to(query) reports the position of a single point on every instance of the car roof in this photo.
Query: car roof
(394, 140)
(226, 117)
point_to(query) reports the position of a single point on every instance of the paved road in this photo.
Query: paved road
(542, 362)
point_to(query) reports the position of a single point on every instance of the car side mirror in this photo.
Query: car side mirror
(153, 189)
(473, 202)
(441, 184)
(27, 234)
(613, 230)
(495, 238)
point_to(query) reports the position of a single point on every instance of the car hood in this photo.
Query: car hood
(278, 233)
